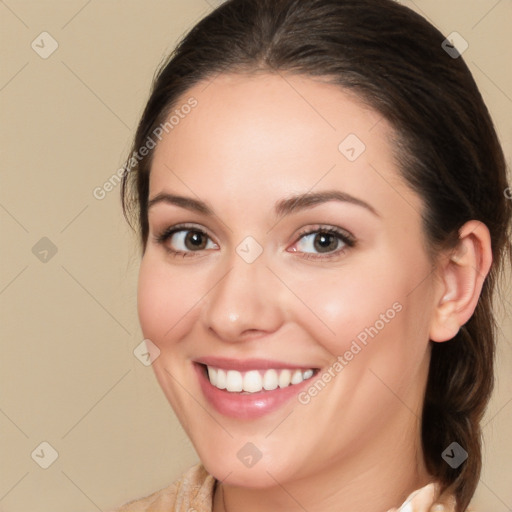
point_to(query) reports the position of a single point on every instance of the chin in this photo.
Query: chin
(256, 477)
(237, 463)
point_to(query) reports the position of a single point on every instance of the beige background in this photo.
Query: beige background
(69, 325)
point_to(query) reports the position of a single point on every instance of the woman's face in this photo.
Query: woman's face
(302, 252)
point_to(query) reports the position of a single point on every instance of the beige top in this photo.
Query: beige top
(193, 492)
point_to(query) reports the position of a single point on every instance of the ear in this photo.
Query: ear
(462, 274)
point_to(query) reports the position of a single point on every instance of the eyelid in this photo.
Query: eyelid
(175, 228)
(327, 228)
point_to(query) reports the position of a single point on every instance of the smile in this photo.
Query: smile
(250, 389)
(255, 381)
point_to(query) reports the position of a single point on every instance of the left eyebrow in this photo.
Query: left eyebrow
(311, 199)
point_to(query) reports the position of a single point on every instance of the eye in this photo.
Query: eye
(324, 242)
(184, 240)
(321, 242)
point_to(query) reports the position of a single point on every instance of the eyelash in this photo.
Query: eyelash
(344, 236)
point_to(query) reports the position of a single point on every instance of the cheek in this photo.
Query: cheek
(376, 304)
(164, 300)
(348, 303)
(379, 342)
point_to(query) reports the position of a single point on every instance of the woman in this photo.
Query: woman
(321, 201)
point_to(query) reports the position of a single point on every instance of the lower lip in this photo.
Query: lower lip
(246, 406)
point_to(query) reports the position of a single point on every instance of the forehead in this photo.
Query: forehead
(275, 134)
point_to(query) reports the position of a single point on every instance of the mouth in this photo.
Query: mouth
(256, 381)
(251, 389)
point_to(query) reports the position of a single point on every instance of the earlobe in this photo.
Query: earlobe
(462, 275)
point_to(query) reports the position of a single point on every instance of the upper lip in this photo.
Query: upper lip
(248, 364)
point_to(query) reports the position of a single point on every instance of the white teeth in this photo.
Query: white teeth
(308, 374)
(255, 381)
(234, 381)
(284, 378)
(221, 379)
(270, 380)
(296, 377)
(212, 374)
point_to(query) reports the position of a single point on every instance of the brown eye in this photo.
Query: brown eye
(195, 240)
(185, 241)
(326, 241)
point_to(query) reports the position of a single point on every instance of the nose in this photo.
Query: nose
(244, 302)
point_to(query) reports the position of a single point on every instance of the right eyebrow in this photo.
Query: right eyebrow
(188, 203)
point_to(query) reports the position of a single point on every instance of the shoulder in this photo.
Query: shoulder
(193, 491)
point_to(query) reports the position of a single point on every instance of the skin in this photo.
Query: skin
(251, 142)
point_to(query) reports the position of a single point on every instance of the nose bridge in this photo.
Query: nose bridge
(242, 299)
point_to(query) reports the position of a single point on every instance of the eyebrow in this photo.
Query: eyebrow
(310, 199)
(282, 208)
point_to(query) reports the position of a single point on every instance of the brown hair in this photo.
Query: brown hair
(446, 148)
